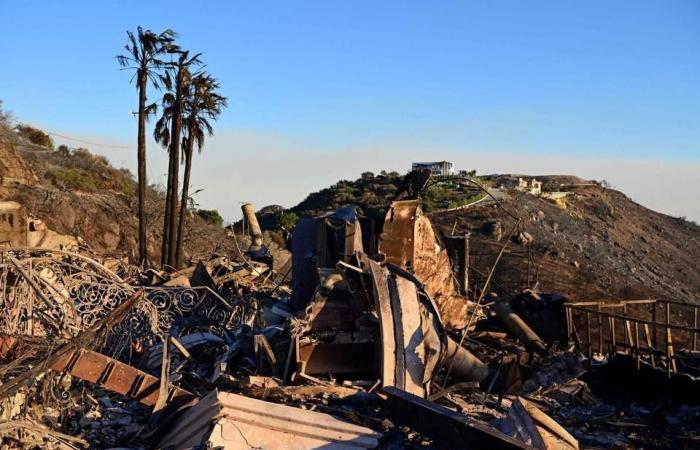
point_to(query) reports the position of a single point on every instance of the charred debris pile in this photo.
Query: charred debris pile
(377, 342)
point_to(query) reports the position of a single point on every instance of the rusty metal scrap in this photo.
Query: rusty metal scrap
(529, 424)
(447, 427)
(519, 327)
(117, 377)
(409, 241)
(43, 289)
(90, 337)
(409, 341)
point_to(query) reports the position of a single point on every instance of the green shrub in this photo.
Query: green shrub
(288, 220)
(74, 179)
(35, 136)
(79, 169)
(211, 216)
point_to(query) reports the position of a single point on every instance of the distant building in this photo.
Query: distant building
(534, 187)
(437, 168)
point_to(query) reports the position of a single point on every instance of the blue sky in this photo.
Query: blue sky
(616, 82)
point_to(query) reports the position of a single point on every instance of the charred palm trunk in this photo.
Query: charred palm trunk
(185, 193)
(174, 162)
(143, 80)
(166, 217)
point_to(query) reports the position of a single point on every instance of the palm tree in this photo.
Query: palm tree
(202, 104)
(143, 52)
(161, 134)
(176, 81)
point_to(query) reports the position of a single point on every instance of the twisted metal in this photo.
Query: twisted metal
(39, 288)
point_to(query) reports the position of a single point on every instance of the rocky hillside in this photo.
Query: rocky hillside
(594, 243)
(77, 193)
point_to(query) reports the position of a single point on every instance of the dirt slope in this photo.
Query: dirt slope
(603, 245)
(77, 193)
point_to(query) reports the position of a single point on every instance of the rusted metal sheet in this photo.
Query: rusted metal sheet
(353, 240)
(410, 337)
(230, 421)
(304, 273)
(396, 241)
(412, 346)
(430, 261)
(408, 240)
(116, 376)
(448, 428)
(458, 250)
(386, 324)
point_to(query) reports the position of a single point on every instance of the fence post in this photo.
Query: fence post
(588, 336)
(670, 356)
(600, 330)
(695, 325)
(628, 344)
(636, 342)
(613, 341)
(649, 346)
(653, 320)
(629, 340)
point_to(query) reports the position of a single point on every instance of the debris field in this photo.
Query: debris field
(375, 340)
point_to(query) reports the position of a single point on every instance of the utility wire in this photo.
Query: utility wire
(131, 147)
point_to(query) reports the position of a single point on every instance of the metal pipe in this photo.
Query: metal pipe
(463, 363)
(253, 226)
(519, 327)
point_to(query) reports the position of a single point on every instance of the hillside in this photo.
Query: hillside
(594, 243)
(597, 243)
(77, 193)
(373, 192)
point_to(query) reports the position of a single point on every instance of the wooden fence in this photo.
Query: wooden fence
(648, 330)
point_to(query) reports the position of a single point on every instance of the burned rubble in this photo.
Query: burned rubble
(378, 341)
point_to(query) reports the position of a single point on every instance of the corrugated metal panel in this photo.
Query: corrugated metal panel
(233, 421)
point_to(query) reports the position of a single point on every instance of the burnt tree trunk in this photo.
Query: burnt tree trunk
(185, 192)
(143, 253)
(175, 164)
(166, 216)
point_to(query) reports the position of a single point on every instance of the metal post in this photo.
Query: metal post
(636, 342)
(588, 336)
(629, 339)
(649, 346)
(669, 351)
(600, 329)
(653, 325)
(613, 343)
(628, 344)
(695, 325)
(465, 265)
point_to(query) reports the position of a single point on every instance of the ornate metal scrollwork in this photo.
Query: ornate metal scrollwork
(80, 292)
